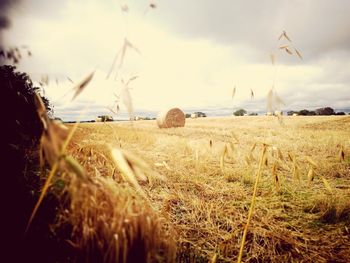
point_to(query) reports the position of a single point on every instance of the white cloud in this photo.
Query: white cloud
(173, 69)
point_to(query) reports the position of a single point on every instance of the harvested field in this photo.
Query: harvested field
(208, 169)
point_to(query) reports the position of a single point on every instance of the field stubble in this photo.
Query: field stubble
(302, 209)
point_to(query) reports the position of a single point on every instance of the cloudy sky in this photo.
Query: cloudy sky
(187, 53)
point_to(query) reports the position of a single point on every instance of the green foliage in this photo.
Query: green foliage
(306, 113)
(19, 111)
(320, 111)
(340, 113)
(240, 112)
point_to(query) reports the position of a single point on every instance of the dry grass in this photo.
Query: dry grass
(110, 218)
(204, 201)
(112, 223)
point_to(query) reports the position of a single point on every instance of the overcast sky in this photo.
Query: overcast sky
(192, 53)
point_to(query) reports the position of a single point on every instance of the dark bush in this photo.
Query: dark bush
(23, 127)
(240, 112)
(21, 180)
(325, 111)
(306, 113)
(340, 113)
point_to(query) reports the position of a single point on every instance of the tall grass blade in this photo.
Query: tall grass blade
(251, 208)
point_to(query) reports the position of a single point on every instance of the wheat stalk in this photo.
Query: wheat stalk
(251, 208)
(275, 176)
(327, 185)
(310, 175)
(222, 158)
(51, 175)
(341, 154)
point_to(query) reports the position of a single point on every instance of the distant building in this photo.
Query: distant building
(104, 118)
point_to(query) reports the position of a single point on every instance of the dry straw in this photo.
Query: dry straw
(134, 170)
(53, 144)
(171, 118)
(341, 153)
(251, 208)
(222, 158)
(275, 177)
(110, 222)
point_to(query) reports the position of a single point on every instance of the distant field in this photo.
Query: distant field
(302, 210)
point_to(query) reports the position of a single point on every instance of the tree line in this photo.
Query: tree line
(318, 112)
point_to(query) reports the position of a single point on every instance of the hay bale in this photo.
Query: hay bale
(171, 118)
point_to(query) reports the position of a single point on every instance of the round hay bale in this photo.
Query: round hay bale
(171, 118)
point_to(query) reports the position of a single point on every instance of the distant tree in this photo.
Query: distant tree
(200, 114)
(253, 114)
(340, 113)
(188, 115)
(240, 112)
(325, 111)
(312, 113)
(303, 112)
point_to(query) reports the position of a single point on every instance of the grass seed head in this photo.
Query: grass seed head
(275, 177)
(312, 162)
(82, 84)
(310, 175)
(222, 158)
(341, 154)
(327, 185)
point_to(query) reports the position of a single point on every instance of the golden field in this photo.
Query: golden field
(198, 182)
